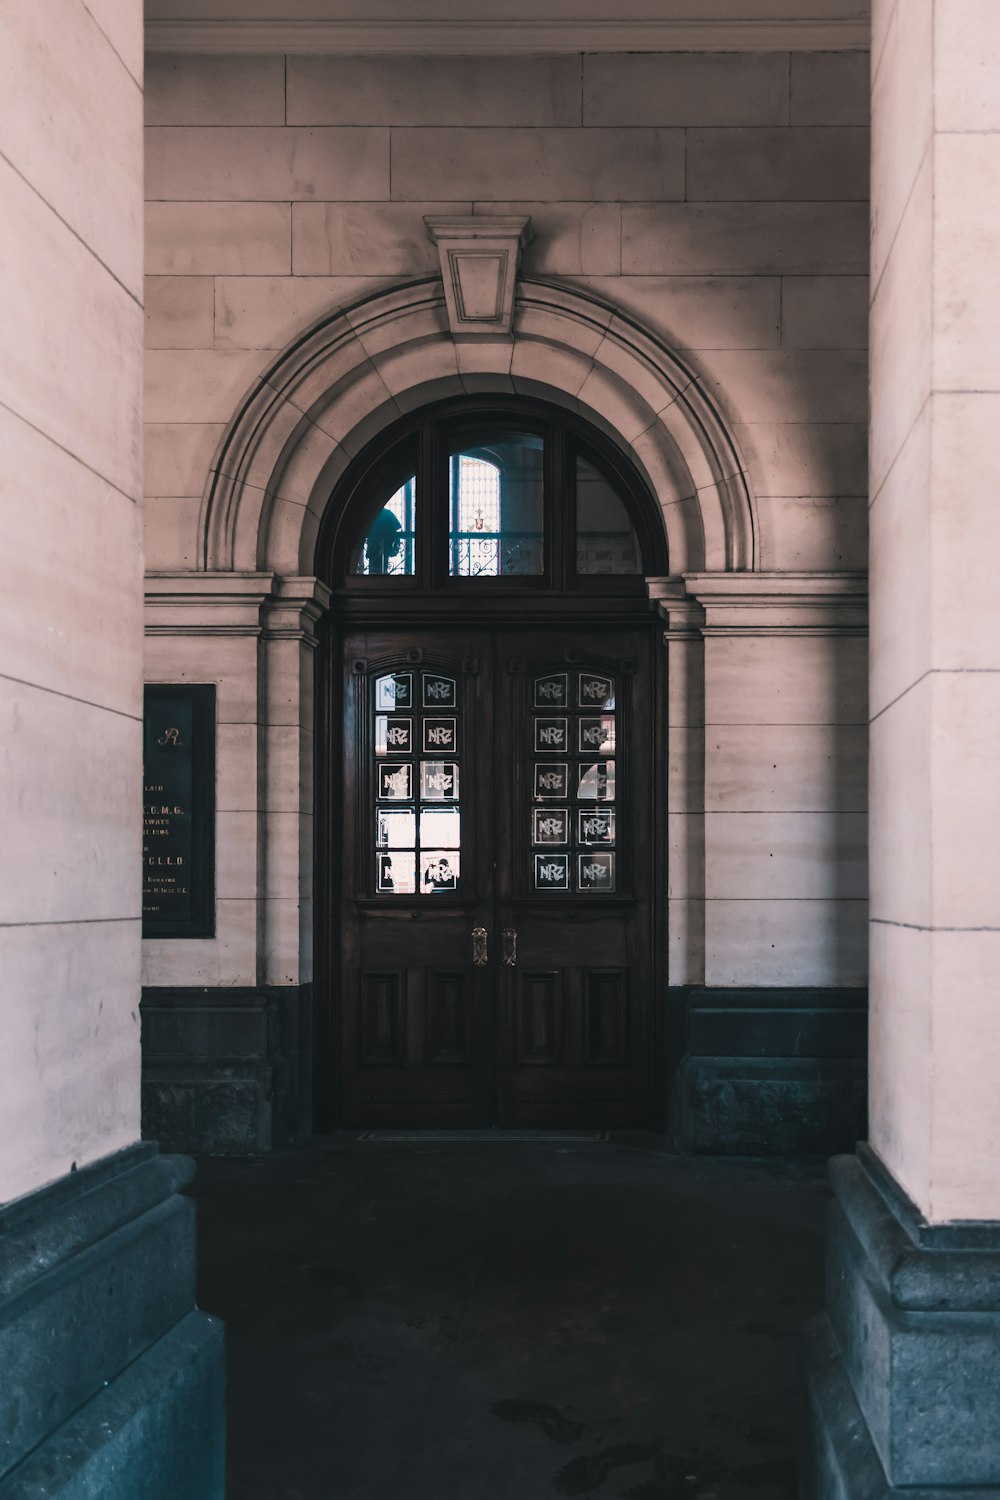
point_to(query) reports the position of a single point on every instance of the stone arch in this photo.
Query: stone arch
(355, 372)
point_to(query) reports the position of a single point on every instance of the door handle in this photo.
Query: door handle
(510, 947)
(480, 957)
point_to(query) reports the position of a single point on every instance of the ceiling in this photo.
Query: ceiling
(504, 26)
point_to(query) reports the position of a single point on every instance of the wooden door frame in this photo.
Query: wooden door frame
(402, 615)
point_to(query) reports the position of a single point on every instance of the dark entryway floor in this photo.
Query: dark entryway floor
(505, 1322)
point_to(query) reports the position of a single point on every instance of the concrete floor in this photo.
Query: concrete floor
(504, 1322)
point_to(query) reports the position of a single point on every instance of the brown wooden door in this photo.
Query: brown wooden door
(496, 878)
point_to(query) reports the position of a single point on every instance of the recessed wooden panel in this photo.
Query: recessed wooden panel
(447, 1018)
(605, 1016)
(382, 1019)
(538, 1039)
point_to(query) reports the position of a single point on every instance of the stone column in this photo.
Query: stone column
(905, 1369)
(112, 1380)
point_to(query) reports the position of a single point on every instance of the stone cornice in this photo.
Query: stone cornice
(218, 603)
(781, 603)
(504, 38)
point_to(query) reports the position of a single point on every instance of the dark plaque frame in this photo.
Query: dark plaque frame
(179, 809)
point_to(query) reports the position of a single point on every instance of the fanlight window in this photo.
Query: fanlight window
(387, 545)
(475, 510)
(497, 506)
(499, 498)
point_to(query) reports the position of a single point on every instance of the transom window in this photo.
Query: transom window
(501, 495)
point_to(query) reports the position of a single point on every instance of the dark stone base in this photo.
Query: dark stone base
(903, 1370)
(768, 1072)
(113, 1381)
(227, 1071)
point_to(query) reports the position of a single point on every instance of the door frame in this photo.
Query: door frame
(617, 603)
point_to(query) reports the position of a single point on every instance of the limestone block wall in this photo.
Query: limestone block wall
(71, 604)
(721, 201)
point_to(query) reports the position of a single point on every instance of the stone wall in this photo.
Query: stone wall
(71, 603)
(720, 200)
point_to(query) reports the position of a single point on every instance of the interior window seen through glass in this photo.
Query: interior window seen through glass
(496, 487)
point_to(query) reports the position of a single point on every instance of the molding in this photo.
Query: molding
(781, 603)
(504, 38)
(213, 603)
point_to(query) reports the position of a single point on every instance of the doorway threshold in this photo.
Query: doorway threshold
(489, 1137)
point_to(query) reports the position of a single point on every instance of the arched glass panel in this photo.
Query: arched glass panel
(386, 543)
(606, 542)
(495, 506)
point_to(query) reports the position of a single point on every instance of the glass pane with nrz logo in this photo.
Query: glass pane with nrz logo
(551, 735)
(496, 488)
(596, 781)
(440, 735)
(596, 735)
(438, 781)
(439, 870)
(396, 872)
(596, 870)
(395, 781)
(551, 782)
(552, 691)
(394, 691)
(595, 826)
(551, 872)
(596, 691)
(550, 825)
(393, 736)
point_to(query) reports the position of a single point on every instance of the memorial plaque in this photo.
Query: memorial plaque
(178, 842)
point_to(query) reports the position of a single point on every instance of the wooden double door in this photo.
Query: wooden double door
(496, 878)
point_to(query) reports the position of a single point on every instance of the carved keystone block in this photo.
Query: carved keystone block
(480, 256)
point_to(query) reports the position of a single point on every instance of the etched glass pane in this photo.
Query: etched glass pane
(595, 826)
(396, 828)
(396, 872)
(496, 488)
(596, 781)
(438, 781)
(386, 543)
(438, 870)
(552, 872)
(550, 825)
(440, 828)
(395, 781)
(393, 736)
(596, 736)
(606, 542)
(394, 691)
(552, 691)
(596, 691)
(551, 735)
(596, 871)
(551, 782)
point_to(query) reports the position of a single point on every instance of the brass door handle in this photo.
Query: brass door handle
(480, 957)
(510, 947)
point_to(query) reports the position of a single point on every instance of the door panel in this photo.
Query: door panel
(551, 751)
(574, 876)
(417, 1025)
